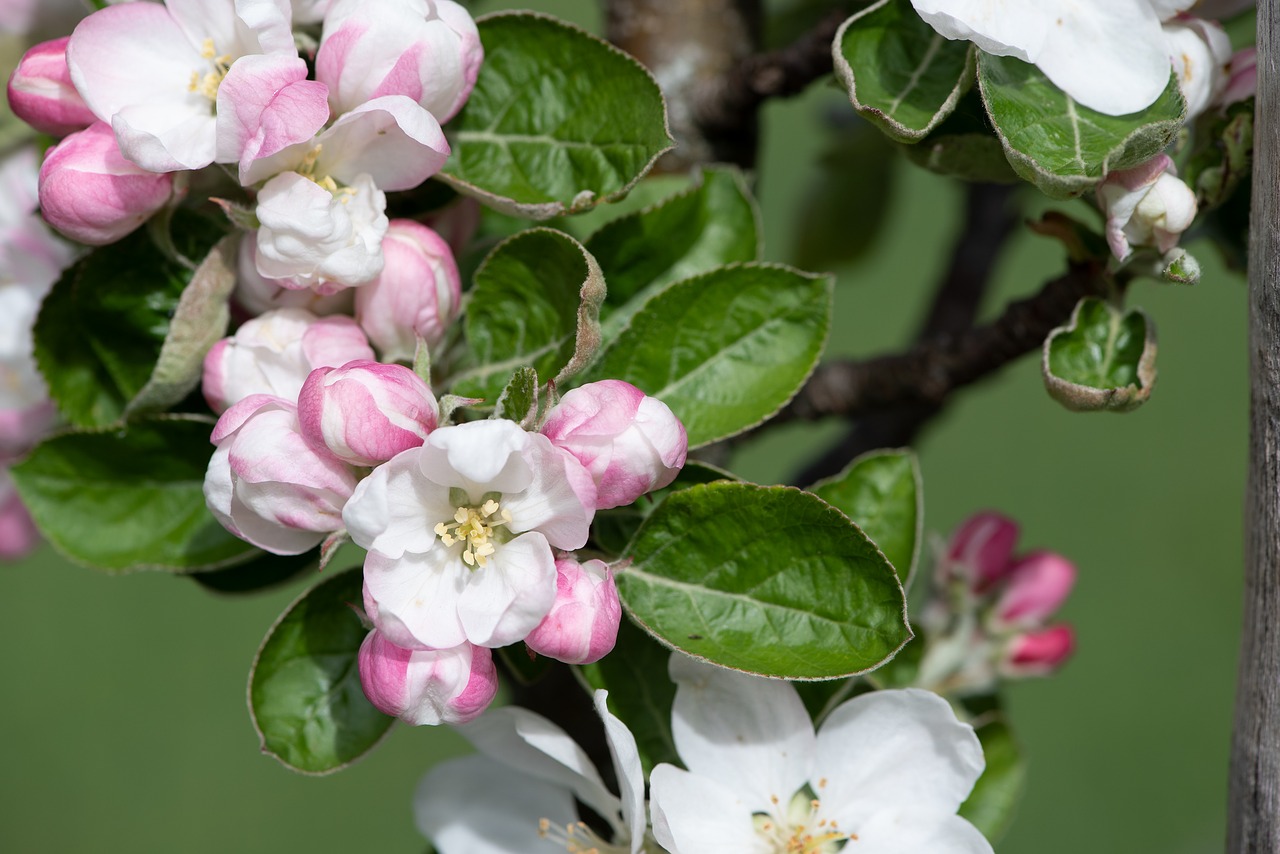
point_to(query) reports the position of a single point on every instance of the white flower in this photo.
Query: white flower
(517, 797)
(460, 534)
(888, 769)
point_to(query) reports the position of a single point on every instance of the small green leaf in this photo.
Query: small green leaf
(304, 690)
(1102, 359)
(519, 400)
(725, 350)
(535, 304)
(612, 529)
(991, 804)
(768, 580)
(881, 492)
(901, 74)
(129, 499)
(559, 120)
(1061, 146)
(640, 692)
(713, 223)
(200, 319)
(103, 327)
(1180, 267)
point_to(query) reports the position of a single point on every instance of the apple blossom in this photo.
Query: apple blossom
(519, 795)
(1201, 55)
(91, 193)
(428, 50)
(887, 769)
(365, 412)
(460, 534)
(273, 354)
(154, 72)
(582, 625)
(630, 442)
(427, 686)
(41, 92)
(255, 294)
(416, 296)
(1146, 206)
(267, 484)
(18, 534)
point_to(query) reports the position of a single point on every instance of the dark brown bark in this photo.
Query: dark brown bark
(1254, 795)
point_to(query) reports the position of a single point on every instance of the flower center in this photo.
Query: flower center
(474, 528)
(578, 838)
(207, 84)
(802, 830)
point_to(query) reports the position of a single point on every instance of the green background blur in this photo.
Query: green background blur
(124, 725)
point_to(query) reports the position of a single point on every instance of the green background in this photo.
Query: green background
(124, 725)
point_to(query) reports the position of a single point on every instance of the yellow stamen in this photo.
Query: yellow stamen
(474, 527)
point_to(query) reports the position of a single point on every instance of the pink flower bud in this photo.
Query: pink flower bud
(365, 412)
(1038, 653)
(582, 626)
(372, 48)
(1146, 206)
(1243, 82)
(41, 92)
(981, 549)
(18, 535)
(630, 442)
(416, 296)
(274, 353)
(268, 485)
(1037, 586)
(90, 193)
(421, 686)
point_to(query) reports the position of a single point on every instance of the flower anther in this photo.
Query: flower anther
(801, 830)
(474, 526)
(577, 838)
(207, 84)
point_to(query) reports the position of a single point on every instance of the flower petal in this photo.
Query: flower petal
(910, 833)
(417, 597)
(698, 815)
(560, 500)
(628, 770)
(748, 733)
(478, 457)
(391, 138)
(505, 600)
(395, 508)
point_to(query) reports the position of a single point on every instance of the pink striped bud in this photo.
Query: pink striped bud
(416, 296)
(427, 686)
(90, 193)
(274, 353)
(1038, 653)
(1037, 586)
(630, 442)
(268, 485)
(18, 535)
(41, 92)
(981, 549)
(365, 412)
(582, 625)
(429, 52)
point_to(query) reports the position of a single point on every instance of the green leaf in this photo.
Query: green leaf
(640, 692)
(559, 120)
(991, 804)
(1180, 267)
(103, 327)
(535, 304)
(768, 580)
(304, 690)
(519, 400)
(1104, 358)
(612, 529)
(262, 572)
(964, 146)
(1063, 147)
(725, 350)
(1223, 154)
(900, 74)
(713, 223)
(200, 319)
(129, 499)
(881, 492)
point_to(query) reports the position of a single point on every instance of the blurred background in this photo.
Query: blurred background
(124, 721)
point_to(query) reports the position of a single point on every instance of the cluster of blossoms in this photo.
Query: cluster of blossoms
(31, 257)
(222, 81)
(470, 527)
(885, 772)
(988, 612)
(1116, 57)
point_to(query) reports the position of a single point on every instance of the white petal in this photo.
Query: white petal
(475, 805)
(627, 768)
(552, 503)
(529, 742)
(421, 592)
(748, 733)
(395, 509)
(391, 138)
(698, 815)
(506, 599)
(911, 833)
(478, 457)
(893, 750)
